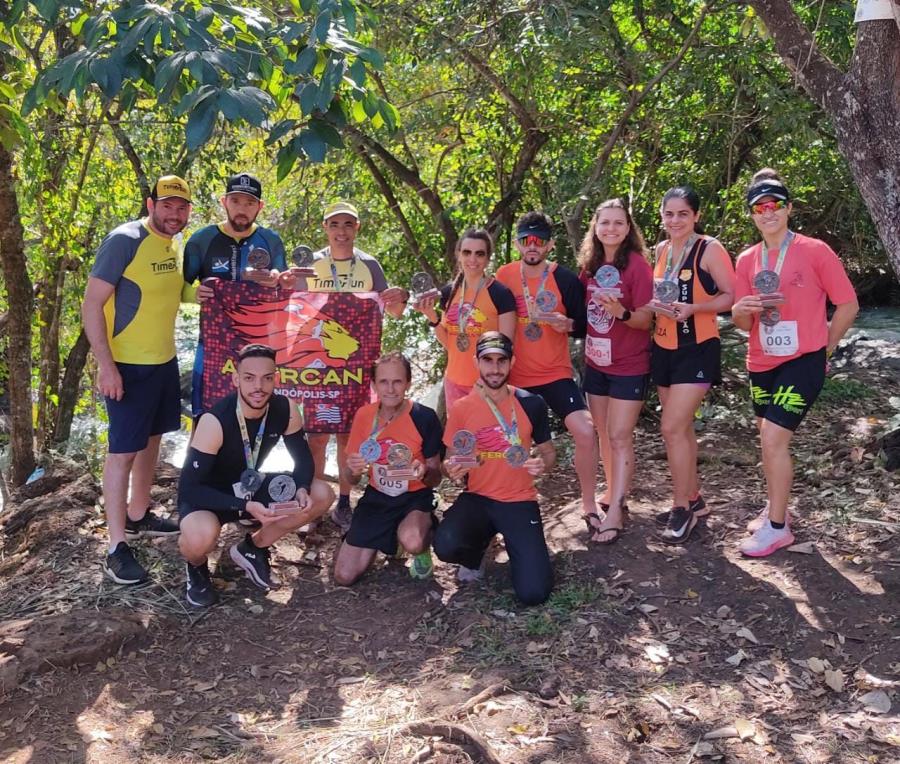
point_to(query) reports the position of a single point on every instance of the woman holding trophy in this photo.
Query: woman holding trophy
(618, 285)
(781, 288)
(472, 304)
(693, 282)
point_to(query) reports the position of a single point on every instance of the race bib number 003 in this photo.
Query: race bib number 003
(779, 340)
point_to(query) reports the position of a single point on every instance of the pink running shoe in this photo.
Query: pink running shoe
(757, 522)
(767, 540)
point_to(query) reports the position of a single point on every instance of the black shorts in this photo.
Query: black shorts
(699, 364)
(233, 515)
(150, 406)
(785, 394)
(562, 396)
(624, 388)
(377, 517)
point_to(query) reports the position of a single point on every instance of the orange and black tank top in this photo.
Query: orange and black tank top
(695, 286)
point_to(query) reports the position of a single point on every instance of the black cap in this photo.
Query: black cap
(534, 228)
(493, 342)
(774, 188)
(244, 183)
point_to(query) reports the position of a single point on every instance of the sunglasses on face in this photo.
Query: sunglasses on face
(532, 241)
(762, 207)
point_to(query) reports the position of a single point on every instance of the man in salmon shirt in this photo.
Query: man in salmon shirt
(501, 425)
(398, 442)
(549, 307)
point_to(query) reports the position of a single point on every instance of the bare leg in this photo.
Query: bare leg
(679, 402)
(199, 535)
(778, 467)
(116, 471)
(343, 483)
(599, 405)
(581, 427)
(318, 443)
(414, 532)
(142, 473)
(351, 562)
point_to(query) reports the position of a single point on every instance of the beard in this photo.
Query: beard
(163, 225)
(254, 406)
(495, 385)
(242, 225)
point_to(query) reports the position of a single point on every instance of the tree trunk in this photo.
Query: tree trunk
(20, 300)
(70, 389)
(863, 104)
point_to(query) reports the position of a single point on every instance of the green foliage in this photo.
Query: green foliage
(837, 391)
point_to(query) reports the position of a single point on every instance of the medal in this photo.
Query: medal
(545, 300)
(462, 342)
(766, 281)
(251, 480)
(370, 450)
(770, 316)
(465, 311)
(516, 455)
(258, 259)
(533, 332)
(282, 488)
(399, 456)
(421, 283)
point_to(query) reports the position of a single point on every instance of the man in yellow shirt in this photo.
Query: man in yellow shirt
(129, 311)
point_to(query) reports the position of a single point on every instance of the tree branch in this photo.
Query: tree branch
(574, 220)
(797, 47)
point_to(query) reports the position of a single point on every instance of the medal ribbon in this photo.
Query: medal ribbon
(251, 455)
(529, 300)
(673, 267)
(511, 430)
(334, 273)
(463, 320)
(376, 430)
(763, 259)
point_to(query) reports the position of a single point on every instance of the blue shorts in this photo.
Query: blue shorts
(631, 387)
(150, 406)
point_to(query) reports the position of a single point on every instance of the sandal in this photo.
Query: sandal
(616, 531)
(591, 528)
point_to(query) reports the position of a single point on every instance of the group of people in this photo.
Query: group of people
(508, 362)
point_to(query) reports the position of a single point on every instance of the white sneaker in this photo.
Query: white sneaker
(757, 522)
(467, 575)
(767, 540)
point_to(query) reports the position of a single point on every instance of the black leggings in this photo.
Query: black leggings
(469, 525)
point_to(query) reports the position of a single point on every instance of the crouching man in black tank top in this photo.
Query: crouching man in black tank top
(221, 482)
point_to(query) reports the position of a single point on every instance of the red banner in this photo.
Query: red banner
(325, 344)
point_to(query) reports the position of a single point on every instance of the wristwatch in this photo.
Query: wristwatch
(626, 315)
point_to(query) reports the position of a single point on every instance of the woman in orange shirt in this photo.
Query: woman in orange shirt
(694, 281)
(472, 304)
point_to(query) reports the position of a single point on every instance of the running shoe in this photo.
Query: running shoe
(254, 561)
(150, 526)
(422, 566)
(697, 506)
(767, 540)
(757, 522)
(682, 522)
(341, 516)
(122, 568)
(200, 590)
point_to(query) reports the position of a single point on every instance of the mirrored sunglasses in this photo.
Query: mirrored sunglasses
(761, 207)
(532, 241)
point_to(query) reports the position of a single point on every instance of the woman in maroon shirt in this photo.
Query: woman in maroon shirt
(618, 284)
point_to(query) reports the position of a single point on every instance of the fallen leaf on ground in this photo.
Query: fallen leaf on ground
(745, 728)
(816, 665)
(647, 609)
(737, 658)
(657, 653)
(807, 547)
(746, 634)
(722, 732)
(876, 701)
(834, 679)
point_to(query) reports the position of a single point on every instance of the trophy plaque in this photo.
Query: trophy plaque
(282, 491)
(464, 442)
(251, 480)
(258, 261)
(422, 286)
(399, 459)
(608, 279)
(302, 260)
(665, 293)
(766, 283)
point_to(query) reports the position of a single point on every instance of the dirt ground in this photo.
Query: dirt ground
(644, 653)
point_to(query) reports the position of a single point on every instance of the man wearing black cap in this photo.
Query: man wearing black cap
(129, 309)
(550, 307)
(222, 251)
(500, 426)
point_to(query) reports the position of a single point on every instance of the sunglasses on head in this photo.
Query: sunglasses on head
(761, 207)
(532, 241)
